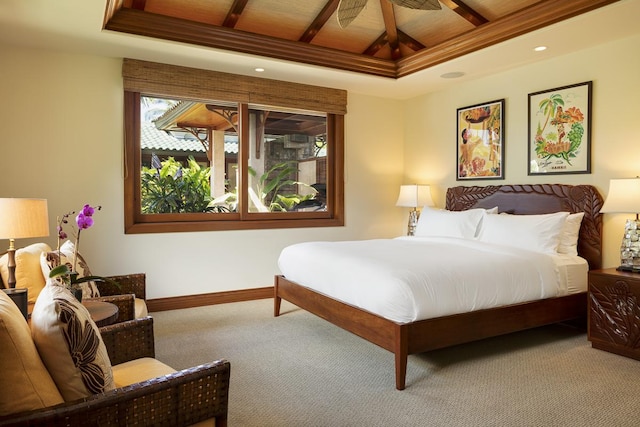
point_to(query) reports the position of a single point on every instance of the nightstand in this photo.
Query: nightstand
(614, 312)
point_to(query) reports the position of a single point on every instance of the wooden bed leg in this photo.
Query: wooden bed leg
(276, 306)
(276, 299)
(401, 356)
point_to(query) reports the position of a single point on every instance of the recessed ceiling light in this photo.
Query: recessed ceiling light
(452, 75)
(259, 70)
(540, 48)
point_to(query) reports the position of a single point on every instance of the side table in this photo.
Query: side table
(19, 297)
(614, 312)
(103, 313)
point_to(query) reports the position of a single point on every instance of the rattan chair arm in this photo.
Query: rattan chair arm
(126, 284)
(183, 398)
(129, 340)
(126, 305)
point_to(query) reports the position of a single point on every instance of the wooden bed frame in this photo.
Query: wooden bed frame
(431, 334)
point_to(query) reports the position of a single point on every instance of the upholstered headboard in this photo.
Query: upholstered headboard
(539, 199)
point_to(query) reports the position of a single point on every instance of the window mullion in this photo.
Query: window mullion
(243, 161)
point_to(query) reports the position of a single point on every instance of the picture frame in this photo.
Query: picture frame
(560, 130)
(480, 141)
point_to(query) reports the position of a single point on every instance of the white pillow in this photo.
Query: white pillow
(491, 211)
(89, 289)
(569, 237)
(444, 223)
(539, 233)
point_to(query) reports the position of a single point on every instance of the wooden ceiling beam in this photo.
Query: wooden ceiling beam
(138, 4)
(410, 42)
(376, 45)
(132, 21)
(468, 13)
(403, 38)
(234, 13)
(319, 21)
(389, 18)
(536, 16)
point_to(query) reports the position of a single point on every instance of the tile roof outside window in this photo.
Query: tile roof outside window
(153, 139)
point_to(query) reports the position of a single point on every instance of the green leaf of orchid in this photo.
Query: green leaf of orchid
(60, 270)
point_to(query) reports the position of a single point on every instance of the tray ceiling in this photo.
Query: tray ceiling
(383, 40)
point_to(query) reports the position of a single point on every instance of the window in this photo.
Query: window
(213, 151)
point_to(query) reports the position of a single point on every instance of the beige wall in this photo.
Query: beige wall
(62, 140)
(614, 68)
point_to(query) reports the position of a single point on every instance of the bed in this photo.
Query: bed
(404, 337)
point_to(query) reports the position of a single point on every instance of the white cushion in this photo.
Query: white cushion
(444, 223)
(70, 344)
(539, 233)
(569, 237)
(28, 272)
(25, 383)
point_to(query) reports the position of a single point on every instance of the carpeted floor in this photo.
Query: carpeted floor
(299, 370)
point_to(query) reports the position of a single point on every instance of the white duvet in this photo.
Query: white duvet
(412, 278)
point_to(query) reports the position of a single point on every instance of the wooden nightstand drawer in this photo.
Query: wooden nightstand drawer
(614, 312)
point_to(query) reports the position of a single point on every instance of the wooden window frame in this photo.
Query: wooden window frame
(136, 222)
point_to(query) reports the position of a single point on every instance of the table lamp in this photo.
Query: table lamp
(414, 196)
(21, 219)
(624, 197)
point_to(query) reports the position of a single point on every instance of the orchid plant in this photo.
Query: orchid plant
(83, 221)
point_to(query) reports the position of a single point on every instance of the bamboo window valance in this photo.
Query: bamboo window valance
(157, 79)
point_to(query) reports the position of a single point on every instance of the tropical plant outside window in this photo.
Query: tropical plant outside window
(236, 163)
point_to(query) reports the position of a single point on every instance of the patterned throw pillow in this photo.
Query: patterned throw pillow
(70, 344)
(52, 259)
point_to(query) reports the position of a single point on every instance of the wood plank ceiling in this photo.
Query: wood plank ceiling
(383, 40)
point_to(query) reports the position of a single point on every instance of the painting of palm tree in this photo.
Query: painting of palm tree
(559, 130)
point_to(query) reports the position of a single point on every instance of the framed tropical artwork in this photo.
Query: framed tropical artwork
(480, 141)
(560, 130)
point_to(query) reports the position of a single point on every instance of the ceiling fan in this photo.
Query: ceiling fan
(349, 9)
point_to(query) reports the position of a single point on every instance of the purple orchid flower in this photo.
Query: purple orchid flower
(61, 234)
(84, 221)
(88, 210)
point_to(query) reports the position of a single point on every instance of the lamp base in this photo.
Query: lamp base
(413, 222)
(630, 247)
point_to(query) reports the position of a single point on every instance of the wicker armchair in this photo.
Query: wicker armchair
(183, 398)
(128, 294)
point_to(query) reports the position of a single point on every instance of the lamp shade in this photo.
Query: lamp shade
(623, 196)
(23, 218)
(414, 196)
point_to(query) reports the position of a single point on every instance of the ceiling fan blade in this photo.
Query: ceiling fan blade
(348, 10)
(418, 4)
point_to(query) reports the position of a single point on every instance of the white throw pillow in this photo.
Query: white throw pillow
(444, 223)
(539, 233)
(569, 237)
(70, 344)
(89, 289)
